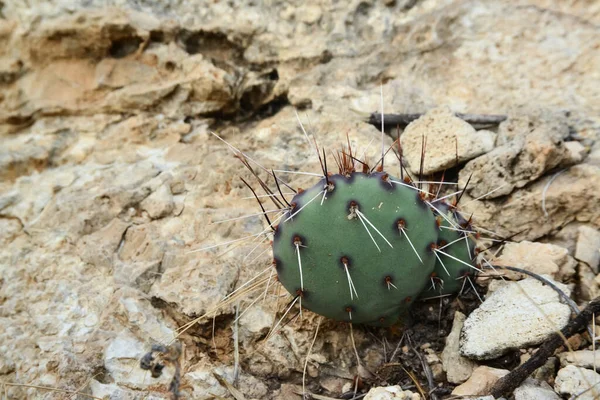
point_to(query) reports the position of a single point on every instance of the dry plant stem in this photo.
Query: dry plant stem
(393, 120)
(426, 369)
(511, 381)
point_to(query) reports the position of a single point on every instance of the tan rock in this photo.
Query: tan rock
(581, 358)
(588, 282)
(480, 382)
(99, 248)
(458, 368)
(575, 154)
(588, 247)
(442, 131)
(544, 206)
(532, 146)
(160, 203)
(540, 258)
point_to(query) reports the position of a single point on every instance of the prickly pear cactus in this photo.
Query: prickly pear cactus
(455, 241)
(357, 247)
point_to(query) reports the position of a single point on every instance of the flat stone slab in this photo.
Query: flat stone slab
(518, 315)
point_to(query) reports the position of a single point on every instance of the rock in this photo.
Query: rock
(544, 206)
(588, 282)
(581, 358)
(575, 153)
(481, 381)
(540, 258)
(530, 146)
(442, 131)
(574, 381)
(458, 368)
(99, 247)
(566, 237)
(517, 307)
(159, 204)
(546, 372)
(535, 390)
(140, 257)
(588, 247)
(391, 393)
(204, 384)
(182, 274)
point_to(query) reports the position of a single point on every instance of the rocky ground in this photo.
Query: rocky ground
(110, 178)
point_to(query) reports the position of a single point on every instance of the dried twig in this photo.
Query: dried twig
(511, 381)
(426, 369)
(393, 120)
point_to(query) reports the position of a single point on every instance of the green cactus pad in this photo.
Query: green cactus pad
(327, 232)
(449, 277)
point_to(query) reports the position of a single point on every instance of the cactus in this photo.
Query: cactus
(360, 247)
(455, 240)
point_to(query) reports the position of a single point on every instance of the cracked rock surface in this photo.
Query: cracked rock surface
(113, 190)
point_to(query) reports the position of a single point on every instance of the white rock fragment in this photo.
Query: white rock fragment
(391, 393)
(580, 382)
(532, 389)
(540, 258)
(588, 246)
(458, 368)
(480, 382)
(443, 132)
(519, 314)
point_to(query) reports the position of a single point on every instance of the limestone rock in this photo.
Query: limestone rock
(581, 358)
(588, 282)
(575, 154)
(442, 130)
(159, 204)
(540, 258)
(574, 381)
(544, 206)
(535, 390)
(588, 247)
(391, 393)
(517, 307)
(99, 247)
(458, 368)
(531, 147)
(480, 382)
